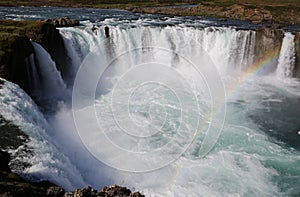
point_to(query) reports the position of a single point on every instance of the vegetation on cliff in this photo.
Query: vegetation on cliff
(15, 47)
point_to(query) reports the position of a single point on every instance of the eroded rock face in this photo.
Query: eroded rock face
(13, 61)
(16, 47)
(53, 43)
(268, 43)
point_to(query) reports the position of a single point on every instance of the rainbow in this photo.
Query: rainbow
(259, 67)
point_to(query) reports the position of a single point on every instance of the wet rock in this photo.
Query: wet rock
(107, 191)
(16, 47)
(55, 191)
(106, 29)
(4, 158)
(11, 184)
(268, 43)
(116, 190)
(63, 22)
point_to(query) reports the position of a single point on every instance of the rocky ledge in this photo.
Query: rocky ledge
(62, 22)
(12, 185)
(16, 47)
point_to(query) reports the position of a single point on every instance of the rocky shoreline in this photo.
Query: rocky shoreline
(12, 185)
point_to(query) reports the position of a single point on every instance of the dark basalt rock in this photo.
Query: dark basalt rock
(12, 185)
(63, 22)
(53, 43)
(107, 191)
(16, 47)
(13, 61)
(55, 191)
(4, 158)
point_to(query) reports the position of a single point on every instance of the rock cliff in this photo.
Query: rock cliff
(16, 47)
(267, 44)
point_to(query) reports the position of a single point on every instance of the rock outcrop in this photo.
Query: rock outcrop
(16, 47)
(267, 45)
(12, 185)
(14, 51)
(107, 191)
(63, 22)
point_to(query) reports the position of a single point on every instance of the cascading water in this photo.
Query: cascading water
(252, 156)
(48, 81)
(286, 62)
(46, 160)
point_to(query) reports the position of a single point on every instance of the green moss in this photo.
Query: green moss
(11, 31)
(20, 28)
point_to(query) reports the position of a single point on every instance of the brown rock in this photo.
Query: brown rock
(55, 191)
(267, 43)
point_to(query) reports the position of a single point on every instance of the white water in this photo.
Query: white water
(47, 162)
(286, 62)
(49, 80)
(244, 161)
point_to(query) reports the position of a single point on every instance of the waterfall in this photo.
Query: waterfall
(230, 49)
(46, 161)
(33, 77)
(244, 150)
(286, 61)
(49, 80)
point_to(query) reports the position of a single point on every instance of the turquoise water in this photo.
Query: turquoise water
(152, 97)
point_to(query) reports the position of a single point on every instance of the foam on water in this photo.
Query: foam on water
(286, 62)
(47, 162)
(246, 160)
